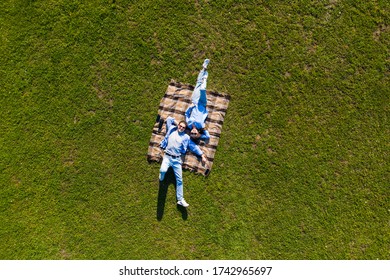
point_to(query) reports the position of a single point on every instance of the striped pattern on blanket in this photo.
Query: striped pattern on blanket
(175, 102)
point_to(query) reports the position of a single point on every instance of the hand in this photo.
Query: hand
(204, 159)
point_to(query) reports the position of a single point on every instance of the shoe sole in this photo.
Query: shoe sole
(183, 205)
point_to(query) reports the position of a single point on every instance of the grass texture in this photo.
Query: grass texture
(302, 167)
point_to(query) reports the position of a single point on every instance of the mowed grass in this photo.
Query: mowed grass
(302, 167)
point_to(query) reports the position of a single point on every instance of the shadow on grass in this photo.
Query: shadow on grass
(162, 196)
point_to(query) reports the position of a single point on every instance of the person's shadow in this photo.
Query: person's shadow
(162, 196)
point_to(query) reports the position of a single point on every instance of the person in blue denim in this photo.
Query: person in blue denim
(197, 113)
(175, 144)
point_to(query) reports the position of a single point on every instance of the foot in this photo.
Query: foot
(206, 63)
(183, 203)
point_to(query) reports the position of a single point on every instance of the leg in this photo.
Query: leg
(177, 169)
(204, 75)
(203, 98)
(164, 168)
(199, 93)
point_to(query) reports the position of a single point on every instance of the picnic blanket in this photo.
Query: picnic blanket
(174, 103)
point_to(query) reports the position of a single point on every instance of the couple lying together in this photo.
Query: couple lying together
(184, 135)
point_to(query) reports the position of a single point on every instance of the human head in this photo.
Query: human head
(182, 126)
(195, 133)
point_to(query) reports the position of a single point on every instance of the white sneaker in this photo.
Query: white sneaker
(206, 63)
(183, 203)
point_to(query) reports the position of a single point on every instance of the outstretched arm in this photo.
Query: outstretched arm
(194, 148)
(205, 136)
(197, 151)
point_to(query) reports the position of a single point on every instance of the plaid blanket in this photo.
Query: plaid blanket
(175, 102)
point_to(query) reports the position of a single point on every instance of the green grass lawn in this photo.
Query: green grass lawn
(302, 166)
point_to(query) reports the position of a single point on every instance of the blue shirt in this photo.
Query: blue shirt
(175, 140)
(196, 116)
(176, 143)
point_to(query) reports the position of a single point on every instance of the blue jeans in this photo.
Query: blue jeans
(199, 93)
(176, 165)
(199, 98)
